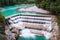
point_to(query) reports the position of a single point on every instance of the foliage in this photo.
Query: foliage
(52, 5)
(0, 37)
(13, 2)
(2, 23)
(2, 19)
(58, 20)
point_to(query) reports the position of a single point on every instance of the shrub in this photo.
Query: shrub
(51, 5)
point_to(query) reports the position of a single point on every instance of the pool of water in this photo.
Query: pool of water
(10, 10)
(32, 38)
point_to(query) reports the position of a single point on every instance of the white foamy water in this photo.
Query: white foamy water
(26, 33)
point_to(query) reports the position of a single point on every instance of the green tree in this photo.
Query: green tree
(2, 19)
(52, 5)
(14, 2)
(0, 37)
(2, 24)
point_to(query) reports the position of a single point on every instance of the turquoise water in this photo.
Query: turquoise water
(30, 38)
(10, 10)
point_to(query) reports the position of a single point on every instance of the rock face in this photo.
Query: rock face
(58, 37)
(37, 23)
(34, 9)
(11, 33)
(54, 32)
